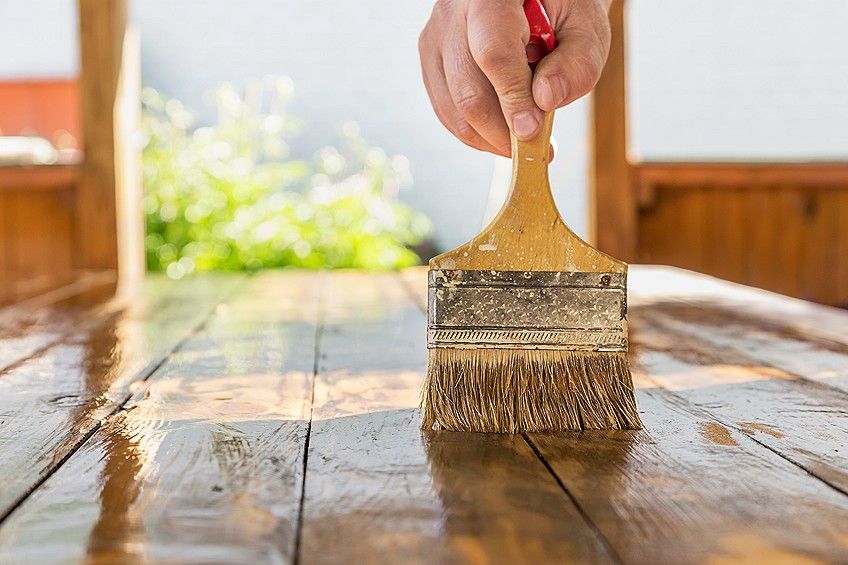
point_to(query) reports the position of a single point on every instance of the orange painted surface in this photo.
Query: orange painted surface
(40, 107)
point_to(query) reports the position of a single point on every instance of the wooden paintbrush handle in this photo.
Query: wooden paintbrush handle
(534, 153)
(530, 191)
(530, 159)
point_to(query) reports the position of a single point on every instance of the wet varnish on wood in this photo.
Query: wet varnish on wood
(274, 419)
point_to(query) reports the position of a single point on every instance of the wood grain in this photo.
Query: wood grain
(205, 462)
(698, 489)
(528, 233)
(52, 401)
(43, 320)
(802, 421)
(109, 231)
(782, 237)
(380, 490)
(807, 340)
(208, 460)
(687, 489)
(759, 342)
(613, 220)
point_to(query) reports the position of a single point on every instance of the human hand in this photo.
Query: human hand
(474, 62)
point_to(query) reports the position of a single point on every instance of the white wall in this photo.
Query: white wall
(347, 62)
(739, 79)
(38, 39)
(724, 79)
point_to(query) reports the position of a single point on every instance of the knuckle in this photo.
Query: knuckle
(473, 106)
(492, 56)
(515, 95)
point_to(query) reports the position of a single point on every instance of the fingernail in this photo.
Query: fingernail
(524, 124)
(551, 92)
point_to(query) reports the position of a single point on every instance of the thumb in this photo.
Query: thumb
(569, 72)
(497, 35)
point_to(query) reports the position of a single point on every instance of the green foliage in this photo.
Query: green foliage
(226, 197)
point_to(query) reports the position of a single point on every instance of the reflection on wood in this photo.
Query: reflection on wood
(206, 458)
(809, 421)
(741, 458)
(378, 491)
(51, 401)
(696, 489)
(45, 319)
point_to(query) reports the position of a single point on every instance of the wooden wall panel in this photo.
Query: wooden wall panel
(36, 229)
(787, 238)
(841, 243)
(43, 233)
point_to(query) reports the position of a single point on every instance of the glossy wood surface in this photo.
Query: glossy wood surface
(51, 401)
(380, 490)
(275, 420)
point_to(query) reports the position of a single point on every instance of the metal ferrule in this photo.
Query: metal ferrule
(527, 310)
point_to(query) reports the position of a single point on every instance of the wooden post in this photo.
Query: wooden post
(612, 201)
(108, 221)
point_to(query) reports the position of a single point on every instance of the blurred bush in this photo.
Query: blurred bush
(228, 197)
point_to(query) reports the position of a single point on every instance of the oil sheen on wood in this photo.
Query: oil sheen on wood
(52, 400)
(276, 420)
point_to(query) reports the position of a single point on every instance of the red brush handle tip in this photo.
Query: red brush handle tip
(542, 36)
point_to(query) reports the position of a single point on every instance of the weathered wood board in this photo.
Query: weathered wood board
(286, 429)
(50, 402)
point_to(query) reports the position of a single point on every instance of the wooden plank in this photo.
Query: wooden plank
(44, 234)
(51, 402)
(792, 238)
(727, 234)
(663, 284)
(39, 178)
(687, 489)
(37, 323)
(205, 462)
(5, 250)
(612, 202)
(694, 237)
(840, 242)
(380, 490)
(806, 339)
(820, 254)
(759, 341)
(802, 421)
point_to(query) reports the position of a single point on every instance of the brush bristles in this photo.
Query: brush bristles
(515, 390)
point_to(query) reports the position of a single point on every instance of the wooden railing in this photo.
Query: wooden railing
(778, 226)
(58, 220)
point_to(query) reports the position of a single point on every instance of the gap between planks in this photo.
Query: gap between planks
(407, 280)
(802, 480)
(86, 429)
(209, 398)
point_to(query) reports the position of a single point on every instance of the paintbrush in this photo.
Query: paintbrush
(527, 323)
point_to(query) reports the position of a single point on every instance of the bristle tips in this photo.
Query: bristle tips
(510, 390)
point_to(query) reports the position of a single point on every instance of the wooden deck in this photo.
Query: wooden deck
(273, 418)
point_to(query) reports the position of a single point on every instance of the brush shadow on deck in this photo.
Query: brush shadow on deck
(274, 419)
